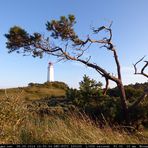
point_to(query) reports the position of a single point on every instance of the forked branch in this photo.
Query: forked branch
(142, 69)
(145, 95)
(138, 101)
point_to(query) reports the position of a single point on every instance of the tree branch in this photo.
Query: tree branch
(108, 44)
(143, 68)
(117, 63)
(138, 101)
(100, 70)
(140, 73)
(106, 86)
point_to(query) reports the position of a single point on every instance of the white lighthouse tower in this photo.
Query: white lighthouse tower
(50, 72)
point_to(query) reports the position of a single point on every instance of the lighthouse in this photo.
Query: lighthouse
(50, 72)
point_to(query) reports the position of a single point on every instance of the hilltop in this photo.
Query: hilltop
(35, 91)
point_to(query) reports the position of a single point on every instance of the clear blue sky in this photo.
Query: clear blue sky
(130, 35)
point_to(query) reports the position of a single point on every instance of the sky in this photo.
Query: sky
(130, 37)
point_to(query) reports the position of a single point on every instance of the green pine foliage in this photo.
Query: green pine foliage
(89, 98)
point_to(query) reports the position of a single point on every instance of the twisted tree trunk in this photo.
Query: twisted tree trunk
(123, 102)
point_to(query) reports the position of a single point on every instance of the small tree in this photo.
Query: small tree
(72, 94)
(73, 48)
(90, 89)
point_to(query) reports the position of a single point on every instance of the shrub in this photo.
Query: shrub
(19, 126)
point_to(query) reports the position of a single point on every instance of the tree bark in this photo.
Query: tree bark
(123, 102)
(106, 86)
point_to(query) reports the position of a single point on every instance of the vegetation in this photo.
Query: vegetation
(91, 100)
(20, 126)
(72, 118)
(89, 90)
(54, 113)
(47, 98)
(36, 91)
(73, 48)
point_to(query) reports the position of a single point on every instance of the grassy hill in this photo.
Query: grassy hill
(36, 91)
(40, 113)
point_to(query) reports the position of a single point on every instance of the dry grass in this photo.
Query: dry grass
(33, 93)
(18, 125)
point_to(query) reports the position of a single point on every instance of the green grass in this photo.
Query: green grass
(19, 126)
(31, 93)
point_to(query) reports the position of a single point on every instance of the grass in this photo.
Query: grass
(19, 126)
(31, 93)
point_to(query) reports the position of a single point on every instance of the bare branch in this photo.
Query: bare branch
(111, 24)
(143, 68)
(138, 101)
(82, 52)
(105, 28)
(106, 86)
(59, 60)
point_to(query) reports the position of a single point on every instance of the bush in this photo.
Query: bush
(72, 94)
(56, 84)
(19, 126)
